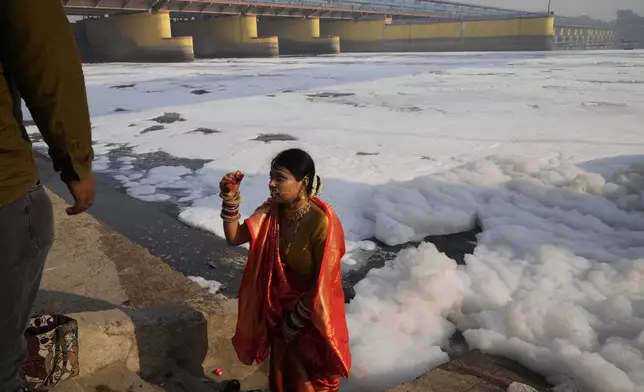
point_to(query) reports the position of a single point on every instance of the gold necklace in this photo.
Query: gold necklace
(290, 241)
(296, 214)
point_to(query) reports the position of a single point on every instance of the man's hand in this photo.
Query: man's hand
(83, 193)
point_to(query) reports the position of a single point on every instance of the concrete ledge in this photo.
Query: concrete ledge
(145, 340)
(510, 43)
(311, 46)
(149, 341)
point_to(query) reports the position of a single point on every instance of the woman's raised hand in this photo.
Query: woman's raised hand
(229, 184)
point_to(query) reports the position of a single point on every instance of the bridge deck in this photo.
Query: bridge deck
(327, 8)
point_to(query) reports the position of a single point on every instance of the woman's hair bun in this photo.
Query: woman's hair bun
(317, 186)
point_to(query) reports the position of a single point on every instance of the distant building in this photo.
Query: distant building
(630, 30)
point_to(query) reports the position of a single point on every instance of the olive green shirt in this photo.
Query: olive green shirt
(41, 64)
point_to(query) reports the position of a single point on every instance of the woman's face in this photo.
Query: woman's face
(283, 186)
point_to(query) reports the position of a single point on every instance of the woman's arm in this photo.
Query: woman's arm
(236, 234)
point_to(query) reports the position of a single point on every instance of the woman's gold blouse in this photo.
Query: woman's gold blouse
(307, 248)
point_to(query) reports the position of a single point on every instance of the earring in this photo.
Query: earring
(302, 194)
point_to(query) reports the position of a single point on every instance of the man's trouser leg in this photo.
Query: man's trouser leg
(26, 235)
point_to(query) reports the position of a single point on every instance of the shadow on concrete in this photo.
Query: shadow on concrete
(171, 338)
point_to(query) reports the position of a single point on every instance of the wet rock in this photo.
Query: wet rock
(169, 118)
(205, 131)
(199, 92)
(122, 86)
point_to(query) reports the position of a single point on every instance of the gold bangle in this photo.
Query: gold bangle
(232, 219)
(235, 196)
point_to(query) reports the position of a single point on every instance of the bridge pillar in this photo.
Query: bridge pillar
(227, 36)
(143, 37)
(299, 35)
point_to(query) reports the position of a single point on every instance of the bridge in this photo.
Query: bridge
(434, 9)
(180, 30)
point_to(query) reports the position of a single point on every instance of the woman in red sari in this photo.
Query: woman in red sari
(291, 301)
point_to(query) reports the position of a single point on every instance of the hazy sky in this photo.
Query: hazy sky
(604, 9)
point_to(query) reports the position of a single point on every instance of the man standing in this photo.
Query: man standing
(41, 64)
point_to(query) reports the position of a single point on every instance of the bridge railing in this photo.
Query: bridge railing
(430, 7)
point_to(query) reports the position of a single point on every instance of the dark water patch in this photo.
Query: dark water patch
(131, 125)
(199, 92)
(169, 118)
(271, 95)
(274, 137)
(160, 158)
(205, 131)
(288, 91)
(153, 128)
(330, 95)
(120, 110)
(455, 246)
(427, 158)
(122, 86)
(363, 153)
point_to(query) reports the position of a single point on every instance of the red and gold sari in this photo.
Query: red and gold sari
(320, 354)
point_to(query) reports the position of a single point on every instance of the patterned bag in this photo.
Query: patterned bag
(53, 350)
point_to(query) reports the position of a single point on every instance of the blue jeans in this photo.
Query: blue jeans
(26, 236)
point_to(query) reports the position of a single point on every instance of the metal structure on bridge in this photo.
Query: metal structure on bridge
(432, 9)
